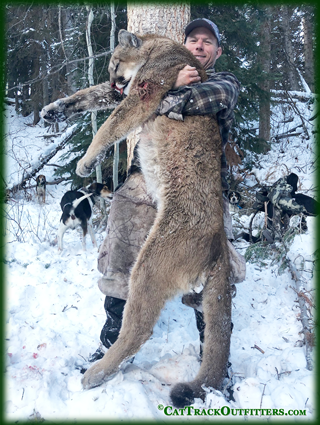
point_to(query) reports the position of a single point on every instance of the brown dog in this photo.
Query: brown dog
(41, 183)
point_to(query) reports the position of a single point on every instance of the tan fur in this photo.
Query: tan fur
(93, 98)
(41, 188)
(187, 244)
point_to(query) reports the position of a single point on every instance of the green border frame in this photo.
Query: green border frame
(314, 3)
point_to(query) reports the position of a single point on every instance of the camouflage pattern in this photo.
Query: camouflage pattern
(280, 196)
(131, 216)
(280, 206)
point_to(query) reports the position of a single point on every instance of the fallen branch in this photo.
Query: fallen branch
(250, 225)
(283, 95)
(287, 120)
(300, 115)
(283, 136)
(48, 136)
(8, 101)
(314, 116)
(303, 295)
(54, 165)
(57, 181)
(304, 316)
(288, 133)
(258, 348)
(262, 396)
(44, 161)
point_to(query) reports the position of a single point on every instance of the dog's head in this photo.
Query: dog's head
(41, 180)
(234, 197)
(100, 190)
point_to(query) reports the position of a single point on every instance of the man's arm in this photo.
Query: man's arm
(219, 94)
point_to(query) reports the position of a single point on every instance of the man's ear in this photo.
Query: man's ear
(127, 39)
(219, 52)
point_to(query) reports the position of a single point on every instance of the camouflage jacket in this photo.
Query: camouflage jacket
(280, 195)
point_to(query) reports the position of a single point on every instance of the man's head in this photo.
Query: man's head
(203, 40)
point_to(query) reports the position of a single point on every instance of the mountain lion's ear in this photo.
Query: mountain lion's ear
(127, 39)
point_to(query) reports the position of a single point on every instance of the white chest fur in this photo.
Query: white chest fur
(148, 155)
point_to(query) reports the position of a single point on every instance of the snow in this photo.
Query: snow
(27, 146)
(54, 311)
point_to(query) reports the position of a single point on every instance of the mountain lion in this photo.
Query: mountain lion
(180, 160)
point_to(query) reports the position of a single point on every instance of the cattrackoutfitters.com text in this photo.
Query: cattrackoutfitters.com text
(227, 411)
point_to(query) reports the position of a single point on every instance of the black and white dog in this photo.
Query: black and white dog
(234, 200)
(77, 207)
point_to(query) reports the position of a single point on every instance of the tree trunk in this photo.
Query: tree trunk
(168, 20)
(265, 61)
(25, 102)
(91, 64)
(45, 96)
(36, 90)
(91, 83)
(288, 49)
(307, 22)
(115, 170)
(65, 26)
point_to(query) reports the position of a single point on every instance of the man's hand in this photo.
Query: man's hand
(188, 75)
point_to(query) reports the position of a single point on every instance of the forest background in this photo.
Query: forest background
(268, 47)
(271, 49)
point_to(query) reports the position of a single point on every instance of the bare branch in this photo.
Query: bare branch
(46, 159)
(57, 68)
(304, 316)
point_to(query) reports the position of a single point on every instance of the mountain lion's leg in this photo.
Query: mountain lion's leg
(151, 285)
(217, 316)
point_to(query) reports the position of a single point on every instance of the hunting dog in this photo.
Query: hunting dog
(234, 199)
(41, 183)
(76, 206)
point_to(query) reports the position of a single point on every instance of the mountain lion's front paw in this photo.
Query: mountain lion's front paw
(84, 168)
(54, 112)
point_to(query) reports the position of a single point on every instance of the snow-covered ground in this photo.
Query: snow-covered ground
(54, 312)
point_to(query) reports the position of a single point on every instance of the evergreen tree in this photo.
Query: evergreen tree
(239, 27)
(100, 35)
(47, 59)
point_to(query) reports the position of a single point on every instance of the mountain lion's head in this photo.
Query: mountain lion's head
(125, 62)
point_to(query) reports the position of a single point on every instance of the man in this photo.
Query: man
(128, 227)
(218, 95)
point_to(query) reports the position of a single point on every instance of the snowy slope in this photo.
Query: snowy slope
(54, 314)
(27, 145)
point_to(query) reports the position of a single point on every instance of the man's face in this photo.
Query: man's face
(203, 44)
